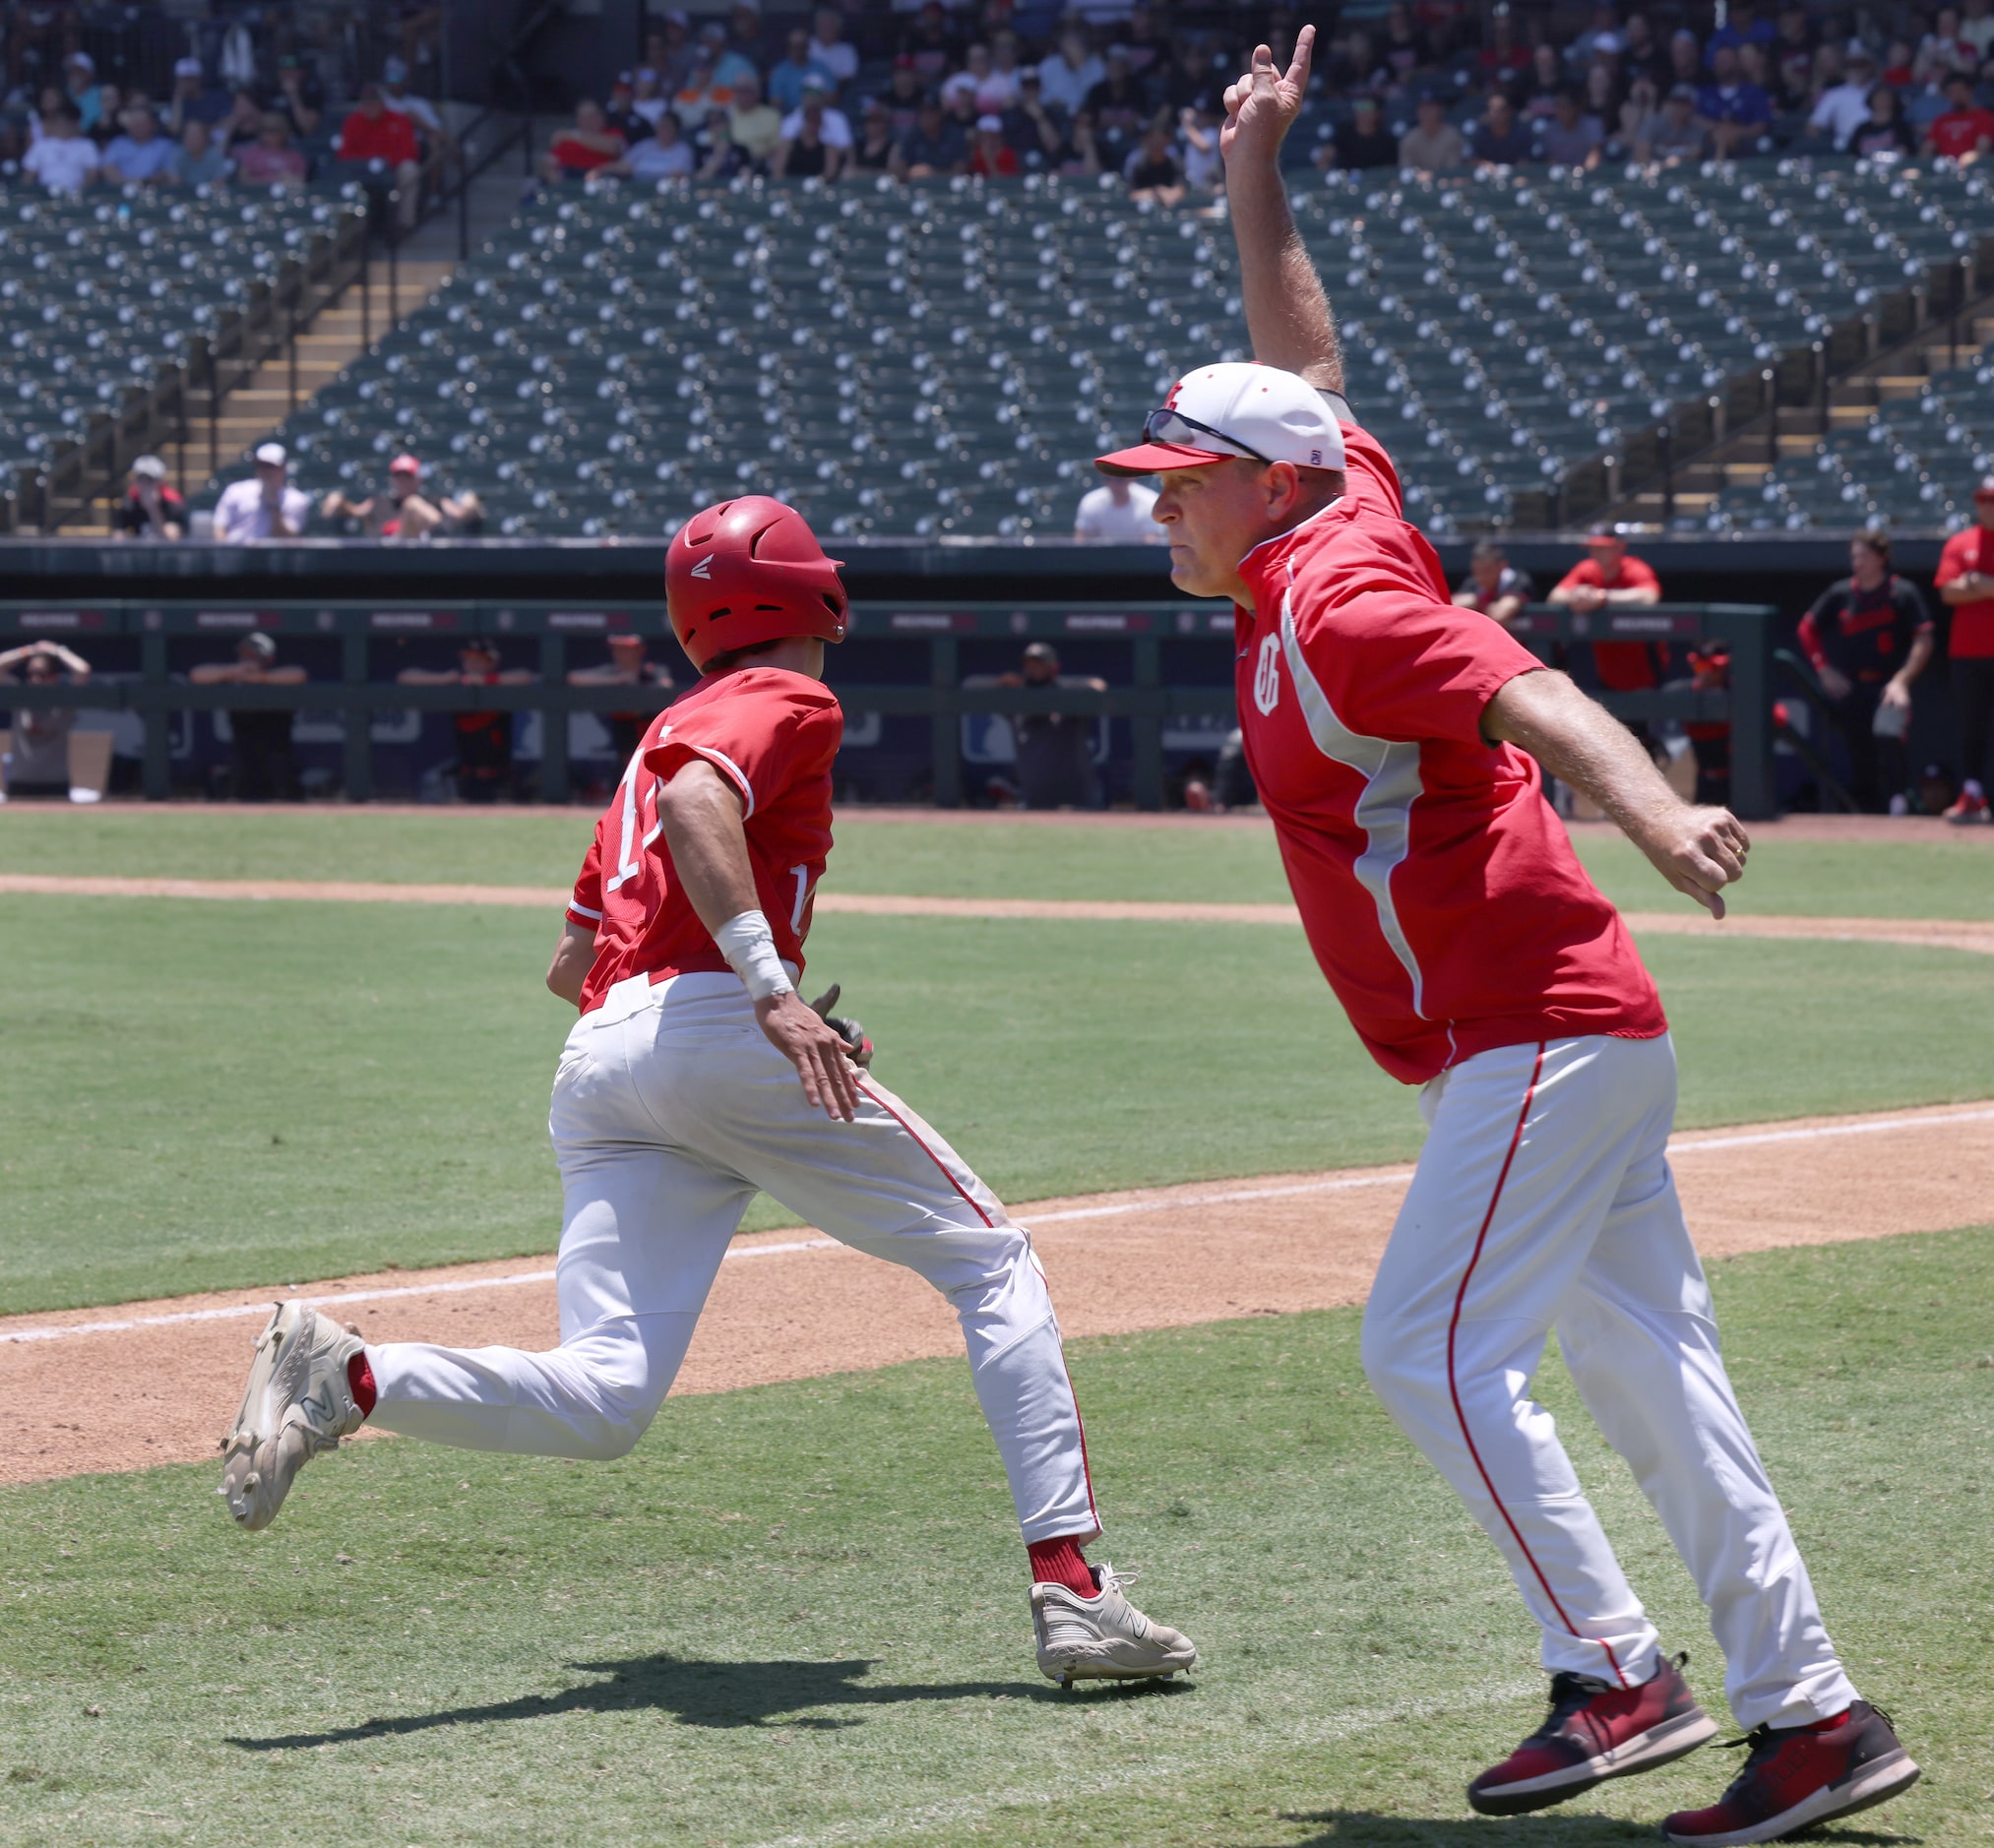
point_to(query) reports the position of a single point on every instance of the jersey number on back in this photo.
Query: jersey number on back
(637, 793)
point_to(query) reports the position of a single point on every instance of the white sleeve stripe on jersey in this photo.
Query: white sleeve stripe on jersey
(582, 910)
(734, 769)
(1384, 811)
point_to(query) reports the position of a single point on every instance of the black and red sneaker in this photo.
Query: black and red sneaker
(1796, 1775)
(1594, 1732)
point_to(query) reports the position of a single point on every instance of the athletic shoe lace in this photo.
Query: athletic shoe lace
(1114, 1581)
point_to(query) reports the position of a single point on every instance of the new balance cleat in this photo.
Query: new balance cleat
(1795, 1776)
(1594, 1732)
(298, 1402)
(1103, 1637)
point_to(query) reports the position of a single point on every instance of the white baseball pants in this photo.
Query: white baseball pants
(671, 1110)
(1542, 1199)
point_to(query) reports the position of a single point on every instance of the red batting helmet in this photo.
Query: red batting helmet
(750, 571)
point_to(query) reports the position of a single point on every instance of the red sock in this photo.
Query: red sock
(360, 1377)
(1059, 1563)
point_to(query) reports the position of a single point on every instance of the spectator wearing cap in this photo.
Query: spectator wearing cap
(63, 158)
(816, 140)
(1734, 112)
(872, 147)
(379, 143)
(1118, 513)
(37, 763)
(483, 767)
(1153, 170)
(991, 157)
(1493, 585)
(786, 79)
(141, 155)
(1070, 73)
(933, 149)
(1571, 138)
(395, 95)
(627, 665)
(663, 154)
(1868, 637)
(828, 46)
(80, 85)
(1055, 750)
(905, 94)
(197, 162)
(1675, 136)
(931, 41)
(1965, 131)
(1965, 585)
(301, 98)
(648, 104)
(1608, 577)
(151, 508)
(1499, 140)
(1432, 145)
(746, 138)
(191, 99)
(271, 160)
(266, 765)
(405, 512)
(1844, 107)
(1362, 143)
(264, 506)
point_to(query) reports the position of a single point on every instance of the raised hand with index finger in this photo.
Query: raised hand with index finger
(1260, 107)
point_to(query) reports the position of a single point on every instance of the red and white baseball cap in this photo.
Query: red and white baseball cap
(404, 464)
(1233, 409)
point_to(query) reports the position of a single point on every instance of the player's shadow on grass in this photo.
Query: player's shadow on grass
(696, 1693)
(1344, 1828)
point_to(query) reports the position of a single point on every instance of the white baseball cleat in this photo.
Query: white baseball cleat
(1103, 1637)
(298, 1402)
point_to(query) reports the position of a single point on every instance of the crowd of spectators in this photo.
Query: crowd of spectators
(934, 90)
(77, 130)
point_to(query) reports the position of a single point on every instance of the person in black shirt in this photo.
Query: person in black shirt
(1365, 143)
(266, 765)
(1868, 636)
(1055, 750)
(152, 509)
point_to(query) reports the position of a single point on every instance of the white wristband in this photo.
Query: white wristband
(749, 947)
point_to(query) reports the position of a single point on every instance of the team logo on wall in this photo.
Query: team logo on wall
(1266, 675)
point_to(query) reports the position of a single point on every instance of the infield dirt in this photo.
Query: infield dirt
(155, 1383)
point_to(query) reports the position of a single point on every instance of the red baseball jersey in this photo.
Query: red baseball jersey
(1972, 637)
(773, 735)
(1440, 892)
(1623, 666)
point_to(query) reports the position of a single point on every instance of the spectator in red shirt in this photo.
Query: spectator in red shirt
(1966, 580)
(575, 152)
(376, 133)
(989, 154)
(1868, 637)
(1609, 577)
(1965, 132)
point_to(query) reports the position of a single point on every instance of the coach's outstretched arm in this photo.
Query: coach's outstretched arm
(1287, 314)
(1698, 852)
(703, 828)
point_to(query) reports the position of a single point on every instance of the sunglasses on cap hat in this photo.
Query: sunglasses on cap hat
(1172, 426)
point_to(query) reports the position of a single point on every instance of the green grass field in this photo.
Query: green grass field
(796, 1614)
(208, 1095)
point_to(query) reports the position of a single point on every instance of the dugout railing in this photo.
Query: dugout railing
(935, 636)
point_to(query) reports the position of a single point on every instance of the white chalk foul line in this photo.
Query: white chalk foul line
(1338, 1184)
(232, 1311)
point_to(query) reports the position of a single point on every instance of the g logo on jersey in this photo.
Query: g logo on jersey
(1266, 675)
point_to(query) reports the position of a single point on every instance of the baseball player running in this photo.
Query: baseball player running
(696, 1076)
(1397, 743)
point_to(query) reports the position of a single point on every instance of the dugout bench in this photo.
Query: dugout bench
(1177, 656)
